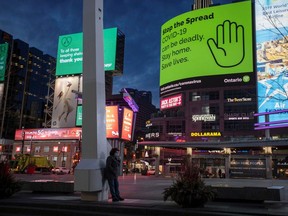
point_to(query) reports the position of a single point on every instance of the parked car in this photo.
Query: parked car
(152, 172)
(61, 170)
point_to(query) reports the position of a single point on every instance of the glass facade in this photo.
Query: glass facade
(26, 86)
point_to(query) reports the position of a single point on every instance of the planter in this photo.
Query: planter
(189, 190)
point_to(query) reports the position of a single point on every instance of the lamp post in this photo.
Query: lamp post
(63, 155)
(31, 144)
(23, 140)
(79, 146)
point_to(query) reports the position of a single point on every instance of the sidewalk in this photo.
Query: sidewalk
(143, 196)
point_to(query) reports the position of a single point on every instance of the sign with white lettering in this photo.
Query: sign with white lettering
(170, 102)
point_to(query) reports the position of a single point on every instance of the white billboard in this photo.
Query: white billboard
(65, 102)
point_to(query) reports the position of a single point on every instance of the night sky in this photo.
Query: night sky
(40, 22)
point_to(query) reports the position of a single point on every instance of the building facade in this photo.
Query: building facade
(213, 117)
(24, 87)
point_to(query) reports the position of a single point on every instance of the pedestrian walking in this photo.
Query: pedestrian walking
(112, 172)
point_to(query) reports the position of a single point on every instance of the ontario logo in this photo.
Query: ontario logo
(244, 79)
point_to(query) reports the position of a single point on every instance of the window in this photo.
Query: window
(55, 148)
(194, 96)
(46, 149)
(37, 149)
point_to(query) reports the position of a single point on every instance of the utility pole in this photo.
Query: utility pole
(23, 140)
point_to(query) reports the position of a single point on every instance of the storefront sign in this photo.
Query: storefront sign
(205, 134)
(237, 100)
(148, 123)
(206, 117)
(249, 168)
(152, 135)
(48, 133)
(238, 116)
(175, 134)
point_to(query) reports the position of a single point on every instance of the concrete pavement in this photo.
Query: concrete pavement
(143, 196)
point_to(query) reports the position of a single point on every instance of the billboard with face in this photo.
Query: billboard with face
(207, 47)
(272, 57)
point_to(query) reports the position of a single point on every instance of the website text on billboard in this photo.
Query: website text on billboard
(214, 41)
(70, 52)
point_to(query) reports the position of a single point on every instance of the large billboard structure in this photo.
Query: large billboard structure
(119, 122)
(64, 106)
(207, 47)
(70, 53)
(272, 59)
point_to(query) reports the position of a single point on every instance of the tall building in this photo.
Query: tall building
(212, 116)
(25, 86)
(198, 4)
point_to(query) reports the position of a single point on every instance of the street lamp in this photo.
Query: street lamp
(79, 145)
(63, 155)
(31, 145)
(23, 140)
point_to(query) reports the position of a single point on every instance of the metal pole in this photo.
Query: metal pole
(79, 145)
(63, 155)
(31, 145)
(23, 140)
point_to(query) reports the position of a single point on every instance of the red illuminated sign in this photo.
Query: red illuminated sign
(127, 124)
(112, 125)
(170, 102)
(48, 133)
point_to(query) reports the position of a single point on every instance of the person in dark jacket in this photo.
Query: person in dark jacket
(112, 172)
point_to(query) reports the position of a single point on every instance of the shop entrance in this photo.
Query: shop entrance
(211, 167)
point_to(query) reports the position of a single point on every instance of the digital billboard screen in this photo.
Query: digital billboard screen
(65, 103)
(170, 102)
(207, 46)
(3, 59)
(112, 121)
(70, 52)
(127, 124)
(272, 59)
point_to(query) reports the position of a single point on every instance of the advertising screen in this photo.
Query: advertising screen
(3, 59)
(70, 52)
(79, 116)
(272, 59)
(65, 103)
(127, 124)
(207, 46)
(112, 123)
(48, 133)
(170, 102)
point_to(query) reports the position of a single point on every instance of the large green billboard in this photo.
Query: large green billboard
(3, 59)
(207, 42)
(70, 52)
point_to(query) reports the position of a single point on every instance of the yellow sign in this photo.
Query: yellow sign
(205, 134)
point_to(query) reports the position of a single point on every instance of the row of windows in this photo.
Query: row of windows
(215, 95)
(45, 149)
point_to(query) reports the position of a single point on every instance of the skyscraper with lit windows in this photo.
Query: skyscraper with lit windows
(197, 4)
